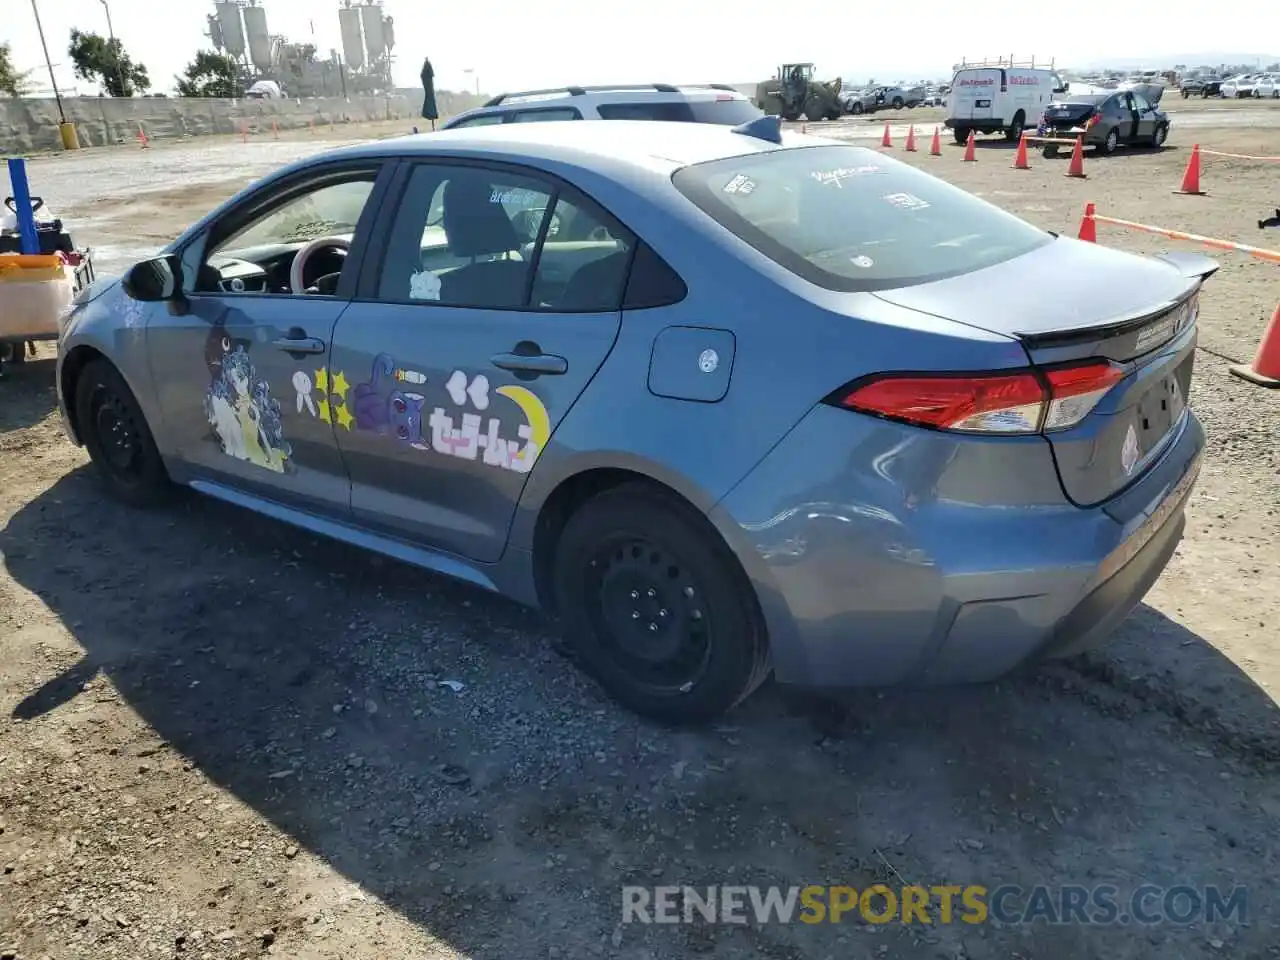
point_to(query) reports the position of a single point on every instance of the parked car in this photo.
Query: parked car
(1238, 87)
(1201, 87)
(1105, 121)
(871, 99)
(1268, 87)
(550, 360)
(714, 103)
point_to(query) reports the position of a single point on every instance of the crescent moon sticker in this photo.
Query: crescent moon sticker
(535, 414)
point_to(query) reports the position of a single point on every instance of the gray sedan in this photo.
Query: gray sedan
(725, 401)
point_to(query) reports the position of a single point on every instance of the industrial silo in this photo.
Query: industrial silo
(352, 41)
(228, 13)
(255, 28)
(373, 39)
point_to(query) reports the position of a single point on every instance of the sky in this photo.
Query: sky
(510, 44)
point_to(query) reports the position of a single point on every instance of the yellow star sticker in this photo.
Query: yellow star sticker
(345, 419)
(339, 386)
(322, 411)
(322, 380)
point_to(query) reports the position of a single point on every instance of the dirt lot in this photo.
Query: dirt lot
(221, 737)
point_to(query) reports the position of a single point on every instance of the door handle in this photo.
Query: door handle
(538, 363)
(299, 344)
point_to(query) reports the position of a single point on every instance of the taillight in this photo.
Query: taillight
(996, 403)
(1093, 121)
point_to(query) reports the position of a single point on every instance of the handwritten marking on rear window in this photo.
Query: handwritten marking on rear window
(840, 174)
(741, 184)
(864, 262)
(906, 201)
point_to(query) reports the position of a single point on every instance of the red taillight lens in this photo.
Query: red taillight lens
(1006, 403)
(1076, 390)
(998, 403)
(1093, 120)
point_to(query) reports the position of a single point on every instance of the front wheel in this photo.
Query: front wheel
(118, 439)
(656, 608)
(1160, 136)
(897, 103)
(961, 135)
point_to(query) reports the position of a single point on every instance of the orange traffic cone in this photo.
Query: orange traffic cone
(970, 148)
(911, 138)
(1088, 226)
(936, 149)
(886, 140)
(1076, 168)
(1191, 179)
(1020, 158)
(142, 138)
(1265, 369)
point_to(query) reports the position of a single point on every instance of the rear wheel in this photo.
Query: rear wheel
(897, 103)
(856, 108)
(656, 607)
(13, 351)
(1111, 142)
(118, 439)
(961, 134)
(1013, 133)
(1050, 151)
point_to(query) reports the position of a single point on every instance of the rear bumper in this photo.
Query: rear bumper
(978, 126)
(903, 561)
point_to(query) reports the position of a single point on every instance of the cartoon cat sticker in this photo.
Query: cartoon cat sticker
(383, 408)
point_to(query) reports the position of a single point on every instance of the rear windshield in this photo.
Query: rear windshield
(849, 219)
(730, 111)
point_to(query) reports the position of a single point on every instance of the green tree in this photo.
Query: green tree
(210, 75)
(12, 82)
(103, 61)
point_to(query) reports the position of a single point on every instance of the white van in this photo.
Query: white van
(1000, 96)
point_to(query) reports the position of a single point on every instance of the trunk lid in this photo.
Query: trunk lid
(1069, 301)
(1062, 115)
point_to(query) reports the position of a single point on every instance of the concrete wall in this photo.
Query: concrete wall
(29, 126)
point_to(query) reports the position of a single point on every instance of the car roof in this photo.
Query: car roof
(639, 143)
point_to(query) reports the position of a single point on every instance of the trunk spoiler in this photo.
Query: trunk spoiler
(1193, 266)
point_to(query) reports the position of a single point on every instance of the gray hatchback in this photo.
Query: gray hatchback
(725, 401)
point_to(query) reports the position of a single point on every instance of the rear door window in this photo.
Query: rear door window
(727, 111)
(850, 219)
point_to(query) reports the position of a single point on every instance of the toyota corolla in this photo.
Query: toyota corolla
(724, 401)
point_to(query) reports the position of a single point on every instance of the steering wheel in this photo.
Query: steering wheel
(296, 282)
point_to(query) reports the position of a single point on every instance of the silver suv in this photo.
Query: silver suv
(710, 103)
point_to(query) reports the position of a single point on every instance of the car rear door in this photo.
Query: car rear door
(974, 93)
(484, 310)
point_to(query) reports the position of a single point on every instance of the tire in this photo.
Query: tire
(814, 110)
(1158, 138)
(1013, 133)
(961, 135)
(897, 103)
(857, 108)
(1108, 146)
(636, 545)
(13, 352)
(1185, 94)
(118, 439)
(1050, 151)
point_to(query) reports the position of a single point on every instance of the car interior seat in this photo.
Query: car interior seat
(474, 226)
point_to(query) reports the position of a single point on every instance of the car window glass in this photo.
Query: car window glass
(583, 263)
(678, 112)
(270, 241)
(1140, 103)
(464, 236)
(538, 116)
(483, 120)
(849, 219)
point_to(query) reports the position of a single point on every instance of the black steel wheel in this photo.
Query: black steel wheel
(656, 607)
(115, 433)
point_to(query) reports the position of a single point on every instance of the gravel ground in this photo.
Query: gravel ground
(221, 737)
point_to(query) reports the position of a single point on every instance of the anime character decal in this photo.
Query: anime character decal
(382, 407)
(238, 404)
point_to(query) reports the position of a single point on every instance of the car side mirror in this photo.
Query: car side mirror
(154, 280)
(1059, 89)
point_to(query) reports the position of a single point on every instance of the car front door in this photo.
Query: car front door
(491, 303)
(239, 364)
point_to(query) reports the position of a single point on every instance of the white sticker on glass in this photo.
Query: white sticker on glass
(424, 286)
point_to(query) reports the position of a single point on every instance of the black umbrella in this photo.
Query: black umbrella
(429, 109)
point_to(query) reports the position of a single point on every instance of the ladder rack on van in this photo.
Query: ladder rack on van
(1007, 62)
